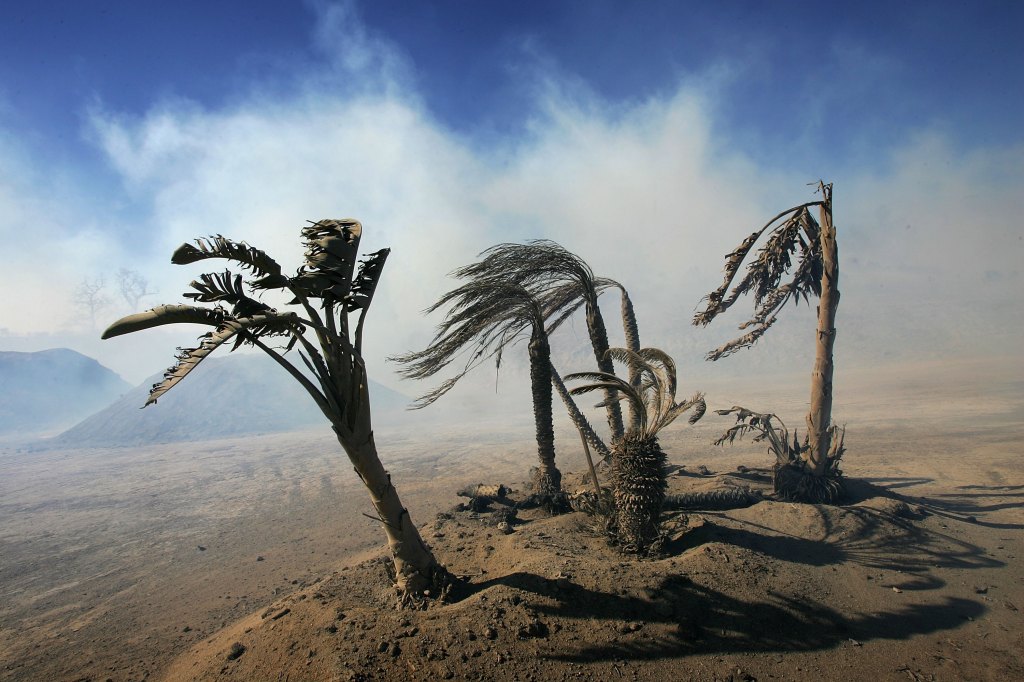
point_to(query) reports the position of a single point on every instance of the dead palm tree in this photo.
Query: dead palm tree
(327, 293)
(489, 314)
(813, 244)
(563, 283)
(789, 453)
(638, 462)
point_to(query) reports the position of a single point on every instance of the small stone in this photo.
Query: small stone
(237, 649)
(981, 590)
(897, 590)
(490, 632)
(200, 548)
(259, 558)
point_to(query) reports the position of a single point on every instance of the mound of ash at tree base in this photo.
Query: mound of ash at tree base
(226, 396)
(850, 592)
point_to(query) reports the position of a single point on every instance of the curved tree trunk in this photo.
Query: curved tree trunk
(549, 478)
(599, 340)
(579, 420)
(819, 419)
(416, 569)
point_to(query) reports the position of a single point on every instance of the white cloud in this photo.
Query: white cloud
(648, 192)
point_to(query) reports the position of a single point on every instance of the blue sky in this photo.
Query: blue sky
(126, 128)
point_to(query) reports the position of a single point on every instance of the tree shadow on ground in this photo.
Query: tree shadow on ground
(861, 536)
(964, 504)
(703, 620)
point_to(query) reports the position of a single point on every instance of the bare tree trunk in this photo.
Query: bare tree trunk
(549, 478)
(416, 569)
(599, 340)
(819, 419)
(578, 419)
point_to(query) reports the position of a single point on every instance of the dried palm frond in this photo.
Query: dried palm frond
(793, 478)
(252, 259)
(796, 235)
(562, 283)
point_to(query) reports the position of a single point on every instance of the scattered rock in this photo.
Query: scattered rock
(533, 629)
(200, 548)
(281, 614)
(259, 558)
(237, 649)
(981, 590)
(490, 632)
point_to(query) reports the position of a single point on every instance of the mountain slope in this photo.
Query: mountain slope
(52, 389)
(223, 397)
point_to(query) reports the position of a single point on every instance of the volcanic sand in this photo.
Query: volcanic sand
(159, 562)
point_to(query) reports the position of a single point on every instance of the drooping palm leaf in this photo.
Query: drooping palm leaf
(563, 283)
(763, 274)
(230, 328)
(249, 257)
(165, 314)
(484, 316)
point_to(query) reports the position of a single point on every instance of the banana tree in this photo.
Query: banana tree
(329, 295)
(638, 462)
(794, 232)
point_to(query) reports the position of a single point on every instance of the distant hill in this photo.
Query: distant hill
(52, 389)
(224, 397)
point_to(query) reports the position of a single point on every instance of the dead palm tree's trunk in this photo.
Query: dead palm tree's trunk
(549, 478)
(416, 569)
(819, 419)
(578, 419)
(599, 341)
